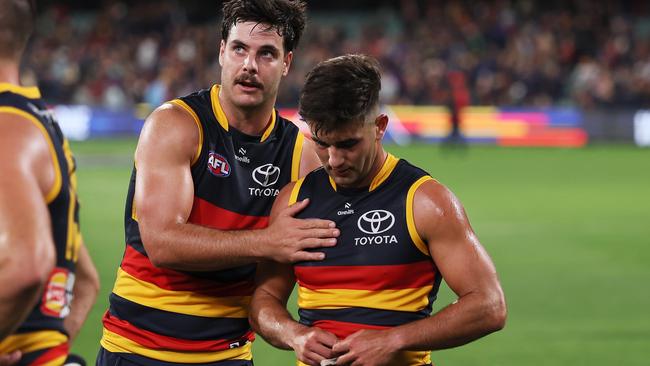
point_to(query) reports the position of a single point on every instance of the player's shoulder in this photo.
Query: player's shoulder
(426, 190)
(18, 130)
(172, 119)
(405, 168)
(435, 198)
(26, 147)
(170, 128)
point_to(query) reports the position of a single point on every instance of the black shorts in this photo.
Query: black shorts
(106, 358)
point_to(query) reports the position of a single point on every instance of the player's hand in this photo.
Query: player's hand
(291, 236)
(312, 345)
(365, 348)
(10, 358)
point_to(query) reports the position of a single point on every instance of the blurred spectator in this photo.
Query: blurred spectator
(524, 53)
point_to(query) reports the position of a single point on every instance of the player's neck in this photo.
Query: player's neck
(378, 163)
(9, 72)
(251, 121)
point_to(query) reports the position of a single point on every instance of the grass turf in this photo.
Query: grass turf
(568, 231)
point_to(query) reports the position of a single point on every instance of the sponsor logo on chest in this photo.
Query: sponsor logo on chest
(375, 223)
(265, 176)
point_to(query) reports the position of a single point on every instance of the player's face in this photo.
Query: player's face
(351, 155)
(252, 63)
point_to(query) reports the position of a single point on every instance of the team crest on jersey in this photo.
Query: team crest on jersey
(58, 293)
(218, 165)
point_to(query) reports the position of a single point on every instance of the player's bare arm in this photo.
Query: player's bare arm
(86, 287)
(164, 197)
(26, 248)
(268, 313)
(480, 309)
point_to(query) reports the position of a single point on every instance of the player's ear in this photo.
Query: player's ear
(287, 63)
(222, 49)
(381, 123)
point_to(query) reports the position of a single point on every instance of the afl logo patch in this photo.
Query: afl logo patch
(58, 293)
(376, 221)
(218, 165)
(266, 175)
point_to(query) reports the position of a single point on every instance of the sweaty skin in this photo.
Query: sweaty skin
(440, 221)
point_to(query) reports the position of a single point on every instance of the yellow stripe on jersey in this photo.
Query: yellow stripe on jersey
(30, 92)
(410, 220)
(384, 172)
(216, 107)
(270, 127)
(134, 216)
(115, 343)
(71, 245)
(412, 299)
(181, 302)
(73, 240)
(56, 187)
(32, 341)
(189, 110)
(406, 358)
(297, 154)
(332, 182)
(293, 198)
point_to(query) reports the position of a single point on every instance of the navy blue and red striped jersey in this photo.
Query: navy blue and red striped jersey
(202, 317)
(42, 337)
(380, 274)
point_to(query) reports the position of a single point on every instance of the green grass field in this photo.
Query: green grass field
(568, 230)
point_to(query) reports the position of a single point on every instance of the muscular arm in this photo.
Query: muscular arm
(85, 291)
(466, 267)
(164, 197)
(269, 316)
(26, 246)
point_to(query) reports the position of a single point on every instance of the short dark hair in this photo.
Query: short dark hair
(16, 26)
(340, 90)
(287, 17)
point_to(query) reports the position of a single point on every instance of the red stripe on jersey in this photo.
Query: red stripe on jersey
(380, 277)
(207, 214)
(52, 354)
(343, 329)
(156, 341)
(139, 266)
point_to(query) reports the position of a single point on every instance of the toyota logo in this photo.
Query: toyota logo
(376, 221)
(266, 175)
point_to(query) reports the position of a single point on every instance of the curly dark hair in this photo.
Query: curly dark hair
(16, 26)
(287, 17)
(340, 90)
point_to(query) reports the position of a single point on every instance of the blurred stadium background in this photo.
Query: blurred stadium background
(554, 100)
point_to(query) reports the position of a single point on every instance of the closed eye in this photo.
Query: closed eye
(346, 144)
(320, 143)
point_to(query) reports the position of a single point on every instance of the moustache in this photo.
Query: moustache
(247, 80)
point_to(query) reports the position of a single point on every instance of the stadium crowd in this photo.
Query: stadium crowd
(524, 53)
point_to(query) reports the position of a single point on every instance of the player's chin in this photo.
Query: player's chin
(248, 100)
(344, 180)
